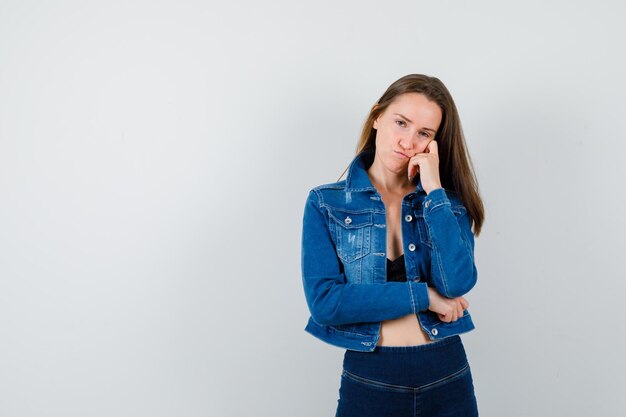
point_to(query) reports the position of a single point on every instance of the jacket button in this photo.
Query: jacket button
(434, 332)
(411, 247)
(348, 220)
(408, 217)
(427, 203)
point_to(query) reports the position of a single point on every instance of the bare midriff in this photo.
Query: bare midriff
(403, 331)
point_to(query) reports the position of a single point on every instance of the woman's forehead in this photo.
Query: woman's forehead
(414, 107)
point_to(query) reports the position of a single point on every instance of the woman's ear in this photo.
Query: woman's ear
(375, 125)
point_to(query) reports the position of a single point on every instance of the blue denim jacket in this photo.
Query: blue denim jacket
(344, 259)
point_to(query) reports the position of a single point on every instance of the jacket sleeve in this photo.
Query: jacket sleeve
(333, 301)
(453, 269)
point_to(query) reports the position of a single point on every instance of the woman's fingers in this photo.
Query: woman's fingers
(427, 164)
(414, 167)
(447, 309)
(432, 147)
(463, 302)
(453, 312)
(457, 308)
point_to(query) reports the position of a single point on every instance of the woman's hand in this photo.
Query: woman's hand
(447, 309)
(427, 164)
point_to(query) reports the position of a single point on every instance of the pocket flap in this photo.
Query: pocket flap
(350, 219)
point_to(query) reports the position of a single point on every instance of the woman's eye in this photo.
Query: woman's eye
(400, 121)
(425, 134)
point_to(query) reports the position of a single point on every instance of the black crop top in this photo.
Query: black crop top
(396, 270)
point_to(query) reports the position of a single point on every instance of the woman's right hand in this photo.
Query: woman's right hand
(448, 309)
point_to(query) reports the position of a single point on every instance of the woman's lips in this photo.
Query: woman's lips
(401, 155)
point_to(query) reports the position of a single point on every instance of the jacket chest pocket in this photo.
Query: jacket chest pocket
(422, 227)
(352, 233)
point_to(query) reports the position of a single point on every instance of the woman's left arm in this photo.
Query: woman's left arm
(453, 269)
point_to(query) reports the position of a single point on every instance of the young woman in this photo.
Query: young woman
(388, 253)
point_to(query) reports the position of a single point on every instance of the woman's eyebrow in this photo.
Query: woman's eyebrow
(408, 120)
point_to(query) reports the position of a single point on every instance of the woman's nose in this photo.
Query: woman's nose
(406, 143)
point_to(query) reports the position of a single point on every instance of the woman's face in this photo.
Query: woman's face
(405, 128)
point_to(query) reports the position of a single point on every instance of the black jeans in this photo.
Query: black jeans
(433, 379)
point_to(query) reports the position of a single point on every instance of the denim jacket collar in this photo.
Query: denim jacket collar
(357, 178)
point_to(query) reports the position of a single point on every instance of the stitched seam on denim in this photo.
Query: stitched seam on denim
(412, 299)
(464, 331)
(438, 256)
(336, 330)
(423, 233)
(445, 203)
(330, 186)
(466, 242)
(361, 189)
(371, 382)
(350, 227)
(343, 210)
(445, 379)
(403, 388)
(440, 201)
(359, 267)
(426, 329)
(430, 346)
(320, 198)
(450, 323)
(366, 336)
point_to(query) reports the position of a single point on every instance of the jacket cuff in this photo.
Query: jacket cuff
(419, 296)
(436, 198)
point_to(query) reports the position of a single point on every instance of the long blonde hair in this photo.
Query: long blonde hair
(455, 166)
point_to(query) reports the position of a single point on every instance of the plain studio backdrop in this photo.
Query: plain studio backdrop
(155, 157)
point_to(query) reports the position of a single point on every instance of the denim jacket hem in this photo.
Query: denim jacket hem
(367, 342)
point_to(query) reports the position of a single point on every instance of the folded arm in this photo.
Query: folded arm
(453, 269)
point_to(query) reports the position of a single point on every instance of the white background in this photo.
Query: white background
(155, 157)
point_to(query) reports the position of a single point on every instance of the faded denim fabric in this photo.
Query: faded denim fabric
(344, 259)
